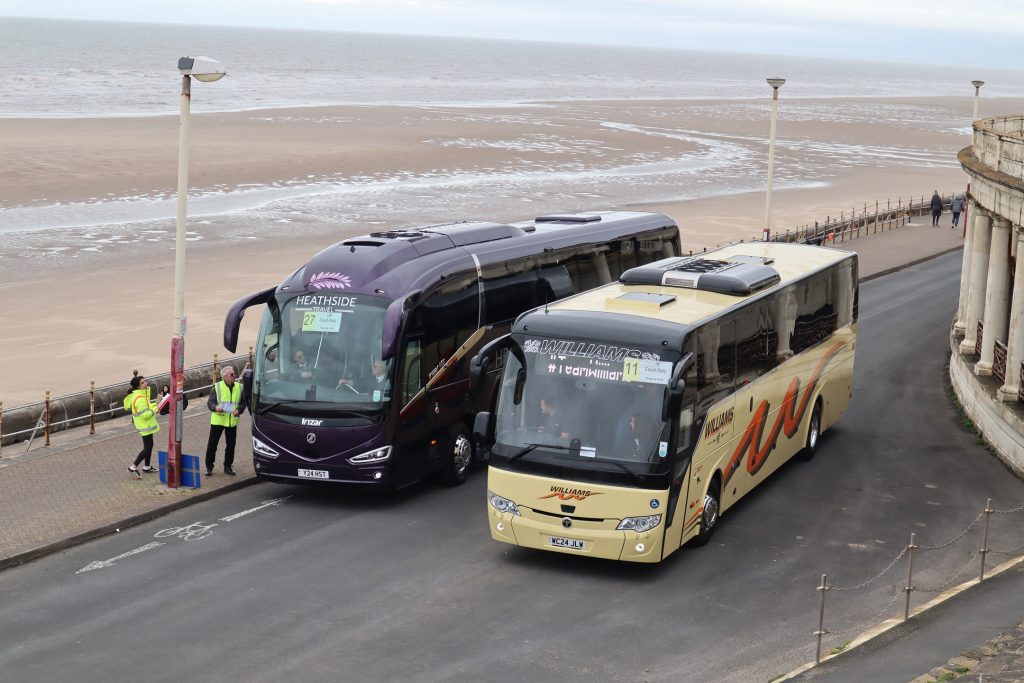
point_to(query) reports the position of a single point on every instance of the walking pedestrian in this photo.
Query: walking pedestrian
(143, 412)
(936, 208)
(226, 403)
(956, 206)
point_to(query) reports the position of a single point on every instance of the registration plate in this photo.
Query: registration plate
(313, 474)
(570, 543)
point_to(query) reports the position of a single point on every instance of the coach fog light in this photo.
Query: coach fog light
(376, 455)
(502, 504)
(260, 448)
(639, 524)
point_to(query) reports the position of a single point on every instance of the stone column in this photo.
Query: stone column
(1015, 344)
(965, 275)
(997, 294)
(979, 274)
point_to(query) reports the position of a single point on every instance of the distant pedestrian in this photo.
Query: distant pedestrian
(143, 412)
(226, 403)
(936, 208)
(956, 206)
(165, 400)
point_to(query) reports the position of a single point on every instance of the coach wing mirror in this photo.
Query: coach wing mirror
(233, 320)
(481, 363)
(483, 429)
(675, 387)
(394, 316)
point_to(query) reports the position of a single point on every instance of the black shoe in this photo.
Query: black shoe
(148, 469)
(134, 471)
(228, 470)
(209, 473)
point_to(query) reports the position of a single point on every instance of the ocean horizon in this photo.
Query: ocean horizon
(76, 69)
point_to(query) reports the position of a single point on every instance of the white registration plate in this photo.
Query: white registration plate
(570, 543)
(313, 474)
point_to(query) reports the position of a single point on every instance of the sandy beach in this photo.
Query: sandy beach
(92, 300)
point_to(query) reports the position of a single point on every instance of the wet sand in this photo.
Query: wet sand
(96, 315)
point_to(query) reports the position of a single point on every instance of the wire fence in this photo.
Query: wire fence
(97, 404)
(969, 557)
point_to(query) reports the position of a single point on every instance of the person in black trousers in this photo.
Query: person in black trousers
(226, 403)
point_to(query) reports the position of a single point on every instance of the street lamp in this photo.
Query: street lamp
(776, 83)
(206, 70)
(977, 91)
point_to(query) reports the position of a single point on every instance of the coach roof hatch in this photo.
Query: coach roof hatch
(735, 275)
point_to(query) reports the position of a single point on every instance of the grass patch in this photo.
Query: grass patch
(839, 648)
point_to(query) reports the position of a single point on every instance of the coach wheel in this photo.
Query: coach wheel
(709, 516)
(459, 456)
(813, 433)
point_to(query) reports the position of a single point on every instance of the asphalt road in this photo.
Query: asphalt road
(335, 586)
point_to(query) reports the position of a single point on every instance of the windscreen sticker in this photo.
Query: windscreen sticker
(646, 371)
(321, 321)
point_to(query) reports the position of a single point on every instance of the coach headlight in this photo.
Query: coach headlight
(639, 524)
(260, 448)
(502, 504)
(376, 455)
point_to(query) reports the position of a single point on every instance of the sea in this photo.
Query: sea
(77, 69)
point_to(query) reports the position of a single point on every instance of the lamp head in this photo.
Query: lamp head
(201, 68)
(776, 82)
(977, 84)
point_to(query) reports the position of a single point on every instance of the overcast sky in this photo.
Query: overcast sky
(966, 32)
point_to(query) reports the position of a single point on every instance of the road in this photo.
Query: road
(337, 586)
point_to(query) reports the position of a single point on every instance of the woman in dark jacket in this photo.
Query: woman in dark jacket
(936, 208)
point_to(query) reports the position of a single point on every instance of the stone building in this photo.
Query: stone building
(987, 364)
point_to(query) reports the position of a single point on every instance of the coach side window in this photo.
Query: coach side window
(510, 288)
(446, 318)
(755, 353)
(815, 311)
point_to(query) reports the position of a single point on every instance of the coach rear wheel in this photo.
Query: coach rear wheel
(813, 433)
(458, 457)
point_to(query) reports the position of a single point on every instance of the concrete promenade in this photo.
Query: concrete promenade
(78, 488)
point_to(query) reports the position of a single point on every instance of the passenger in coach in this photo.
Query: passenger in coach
(301, 369)
(551, 420)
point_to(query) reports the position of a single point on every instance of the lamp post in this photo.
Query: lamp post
(977, 92)
(206, 70)
(776, 83)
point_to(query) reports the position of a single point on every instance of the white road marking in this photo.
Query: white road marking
(266, 504)
(193, 532)
(109, 563)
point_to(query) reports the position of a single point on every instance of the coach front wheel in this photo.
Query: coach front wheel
(458, 456)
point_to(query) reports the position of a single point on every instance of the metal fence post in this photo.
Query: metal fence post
(92, 407)
(910, 576)
(821, 618)
(213, 372)
(1, 426)
(984, 539)
(46, 425)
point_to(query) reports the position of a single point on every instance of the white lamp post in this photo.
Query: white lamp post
(206, 70)
(776, 83)
(977, 91)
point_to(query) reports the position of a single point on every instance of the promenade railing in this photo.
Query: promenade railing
(868, 220)
(33, 421)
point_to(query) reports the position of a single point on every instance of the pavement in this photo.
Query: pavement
(78, 488)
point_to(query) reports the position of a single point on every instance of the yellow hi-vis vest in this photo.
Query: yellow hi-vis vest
(226, 395)
(143, 411)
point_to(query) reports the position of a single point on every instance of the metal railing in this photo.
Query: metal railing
(86, 408)
(870, 220)
(908, 554)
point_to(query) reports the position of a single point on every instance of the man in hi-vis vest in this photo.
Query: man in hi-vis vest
(226, 403)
